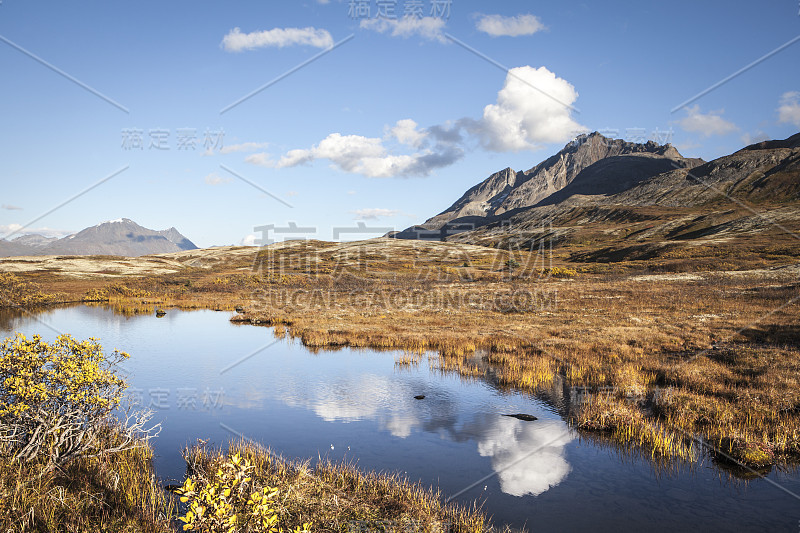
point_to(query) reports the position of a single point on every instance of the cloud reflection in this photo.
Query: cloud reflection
(367, 397)
(528, 457)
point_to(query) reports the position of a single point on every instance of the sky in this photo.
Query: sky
(339, 120)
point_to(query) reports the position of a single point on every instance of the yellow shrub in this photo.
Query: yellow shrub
(562, 272)
(16, 292)
(118, 289)
(56, 399)
(230, 501)
(96, 295)
(66, 374)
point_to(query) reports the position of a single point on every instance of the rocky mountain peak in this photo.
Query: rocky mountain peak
(790, 143)
(508, 190)
(615, 184)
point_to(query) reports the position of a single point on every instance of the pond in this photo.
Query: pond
(207, 378)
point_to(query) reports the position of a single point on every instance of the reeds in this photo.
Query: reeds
(108, 493)
(601, 328)
(339, 496)
(627, 425)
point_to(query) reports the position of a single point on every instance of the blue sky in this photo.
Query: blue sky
(387, 128)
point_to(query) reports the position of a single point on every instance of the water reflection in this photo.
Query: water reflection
(346, 399)
(358, 397)
(528, 457)
(300, 403)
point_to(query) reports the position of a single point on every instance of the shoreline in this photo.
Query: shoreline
(702, 335)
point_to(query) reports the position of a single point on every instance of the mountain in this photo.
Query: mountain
(763, 172)
(13, 249)
(118, 237)
(611, 192)
(24, 245)
(35, 241)
(175, 237)
(591, 164)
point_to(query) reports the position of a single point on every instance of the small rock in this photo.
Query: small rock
(239, 309)
(419, 397)
(523, 416)
(160, 313)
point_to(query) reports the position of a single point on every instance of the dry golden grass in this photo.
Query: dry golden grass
(116, 492)
(340, 497)
(686, 350)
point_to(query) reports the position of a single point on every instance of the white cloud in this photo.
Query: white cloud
(374, 213)
(249, 240)
(9, 228)
(367, 156)
(789, 110)
(243, 147)
(498, 25)
(528, 458)
(261, 159)
(10, 207)
(532, 107)
(19, 229)
(406, 132)
(236, 41)
(427, 27)
(216, 179)
(707, 124)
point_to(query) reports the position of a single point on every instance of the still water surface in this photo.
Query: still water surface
(209, 379)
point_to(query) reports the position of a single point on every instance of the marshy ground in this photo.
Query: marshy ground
(678, 350)
(682, 352)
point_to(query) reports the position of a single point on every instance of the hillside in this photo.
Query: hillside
(122, 237)
(607, 199)
(591, 164)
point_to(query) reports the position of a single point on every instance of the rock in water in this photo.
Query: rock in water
(160, 313)
(419, 397)
(523, 416)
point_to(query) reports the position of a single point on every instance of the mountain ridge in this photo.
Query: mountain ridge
(622, 194)
(507, 189)
(121, 237)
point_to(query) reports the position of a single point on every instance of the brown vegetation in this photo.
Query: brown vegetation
(328, 496)
(687, 350)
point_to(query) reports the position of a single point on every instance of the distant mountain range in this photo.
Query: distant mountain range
(117, 237)
(598, 189)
